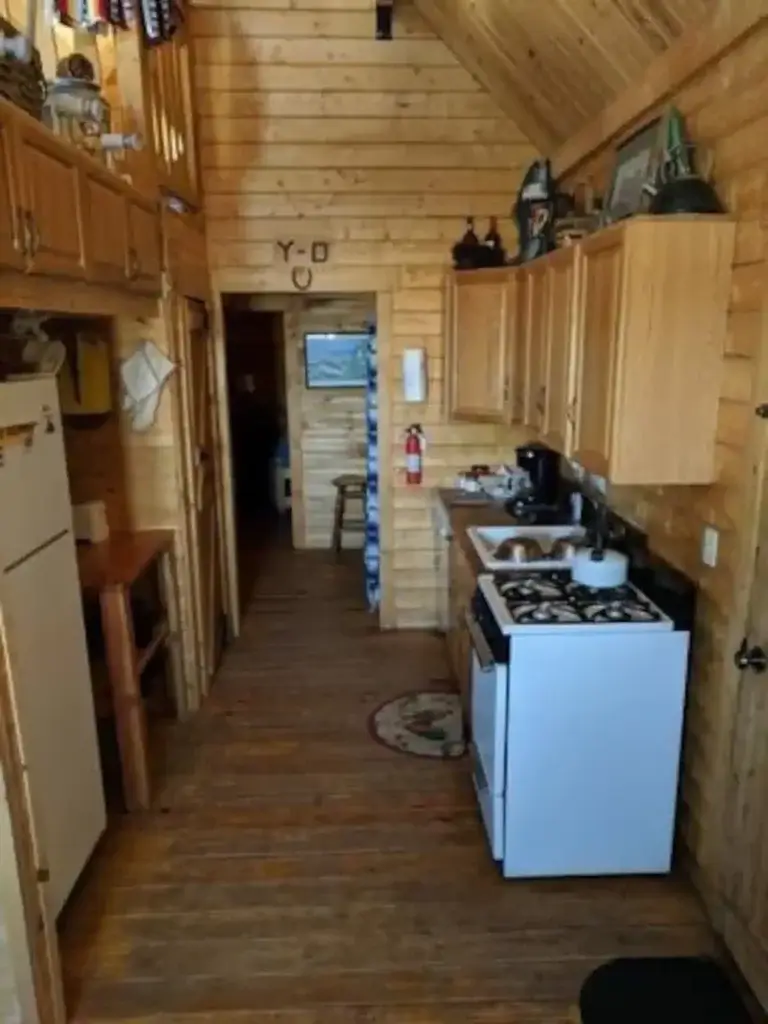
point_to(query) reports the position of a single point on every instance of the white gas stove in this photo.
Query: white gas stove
(577, 714)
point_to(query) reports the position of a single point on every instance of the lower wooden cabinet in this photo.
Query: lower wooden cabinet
(461, 583)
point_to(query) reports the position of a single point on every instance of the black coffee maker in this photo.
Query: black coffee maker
(545, 501)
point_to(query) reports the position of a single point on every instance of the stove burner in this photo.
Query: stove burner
(600, 595)
(531, 590)
(631, 610)
(560, 612)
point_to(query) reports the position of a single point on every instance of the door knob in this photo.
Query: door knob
(750, 657)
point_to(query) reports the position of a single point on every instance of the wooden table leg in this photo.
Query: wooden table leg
(170, 598)
(130, 717)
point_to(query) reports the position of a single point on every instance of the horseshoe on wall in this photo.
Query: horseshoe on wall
(302, 278)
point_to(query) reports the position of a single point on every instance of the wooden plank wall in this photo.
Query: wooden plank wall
(309, 128)
(135, 474)
(726, 109)
(328, 426)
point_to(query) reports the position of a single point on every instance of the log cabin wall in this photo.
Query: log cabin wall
(326, 426)
(137, 475)
(726, 110)
(311, 129)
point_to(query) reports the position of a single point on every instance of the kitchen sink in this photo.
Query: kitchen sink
(486, 539)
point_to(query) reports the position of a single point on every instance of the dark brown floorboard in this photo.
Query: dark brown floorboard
(293, 871)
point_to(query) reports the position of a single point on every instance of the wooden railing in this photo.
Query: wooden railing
(170, 116)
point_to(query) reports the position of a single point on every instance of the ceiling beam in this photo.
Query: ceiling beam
(695, 51)
(490, 71)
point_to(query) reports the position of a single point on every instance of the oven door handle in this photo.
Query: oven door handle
(480, 644)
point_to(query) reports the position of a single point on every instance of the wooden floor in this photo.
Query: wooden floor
(293, 871)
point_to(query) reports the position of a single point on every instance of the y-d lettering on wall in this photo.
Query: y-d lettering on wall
(302, 257)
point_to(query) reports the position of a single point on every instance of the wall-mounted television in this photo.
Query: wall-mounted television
(336, 360)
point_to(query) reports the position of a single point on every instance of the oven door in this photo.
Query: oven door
(491, 806)
(489, 706)
(489, 734)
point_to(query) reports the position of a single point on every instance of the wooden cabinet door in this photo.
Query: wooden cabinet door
(105, 230)
(145, 262)
(516, 354)
(598, 338)
(535, 330)
(560, 349)
(12, 228)
(50, 185)
(478, 361)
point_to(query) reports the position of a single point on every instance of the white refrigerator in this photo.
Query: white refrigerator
(44, 634)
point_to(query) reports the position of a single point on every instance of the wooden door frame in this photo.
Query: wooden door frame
(225, 478)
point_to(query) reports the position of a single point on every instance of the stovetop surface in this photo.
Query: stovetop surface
(552, 598)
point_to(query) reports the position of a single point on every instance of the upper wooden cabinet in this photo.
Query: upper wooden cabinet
(561, 343)
(145, 264)
(48, 192)
(64, 215)
(105, 229)
(478, 336)
(613, 350)
(12, 227)
(534, 319)
(652, 322)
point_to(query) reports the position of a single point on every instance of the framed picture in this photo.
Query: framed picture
(637, 160)
(336, 360)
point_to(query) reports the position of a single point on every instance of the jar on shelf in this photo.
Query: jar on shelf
(75, 107)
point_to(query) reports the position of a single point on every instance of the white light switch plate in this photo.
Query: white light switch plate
(709, 544)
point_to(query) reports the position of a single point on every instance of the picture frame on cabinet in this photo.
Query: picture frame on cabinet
(635, 167)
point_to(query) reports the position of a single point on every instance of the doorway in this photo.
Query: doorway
(293, 434)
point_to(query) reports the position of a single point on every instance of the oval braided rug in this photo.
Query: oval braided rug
(426, 723)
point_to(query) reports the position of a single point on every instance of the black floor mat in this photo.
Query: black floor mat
(673, 990)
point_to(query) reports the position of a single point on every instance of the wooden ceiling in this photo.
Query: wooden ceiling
(552, 65)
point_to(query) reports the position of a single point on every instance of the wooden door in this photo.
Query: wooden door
(745, 842)
(206, 533)
(560, 350)
(50, 184)
(535, 330)
(105, 230)
(145, 263)
(11, 214)
(478, 361)
(598, 339)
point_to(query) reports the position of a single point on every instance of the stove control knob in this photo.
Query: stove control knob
(750, 657)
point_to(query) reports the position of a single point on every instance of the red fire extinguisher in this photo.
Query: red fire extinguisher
(414, 452)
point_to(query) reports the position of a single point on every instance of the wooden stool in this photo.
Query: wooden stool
(348, 486)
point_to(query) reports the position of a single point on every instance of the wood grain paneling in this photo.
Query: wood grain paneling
(327, 425)
(553, 66)
(720, 105)
(310, 129)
